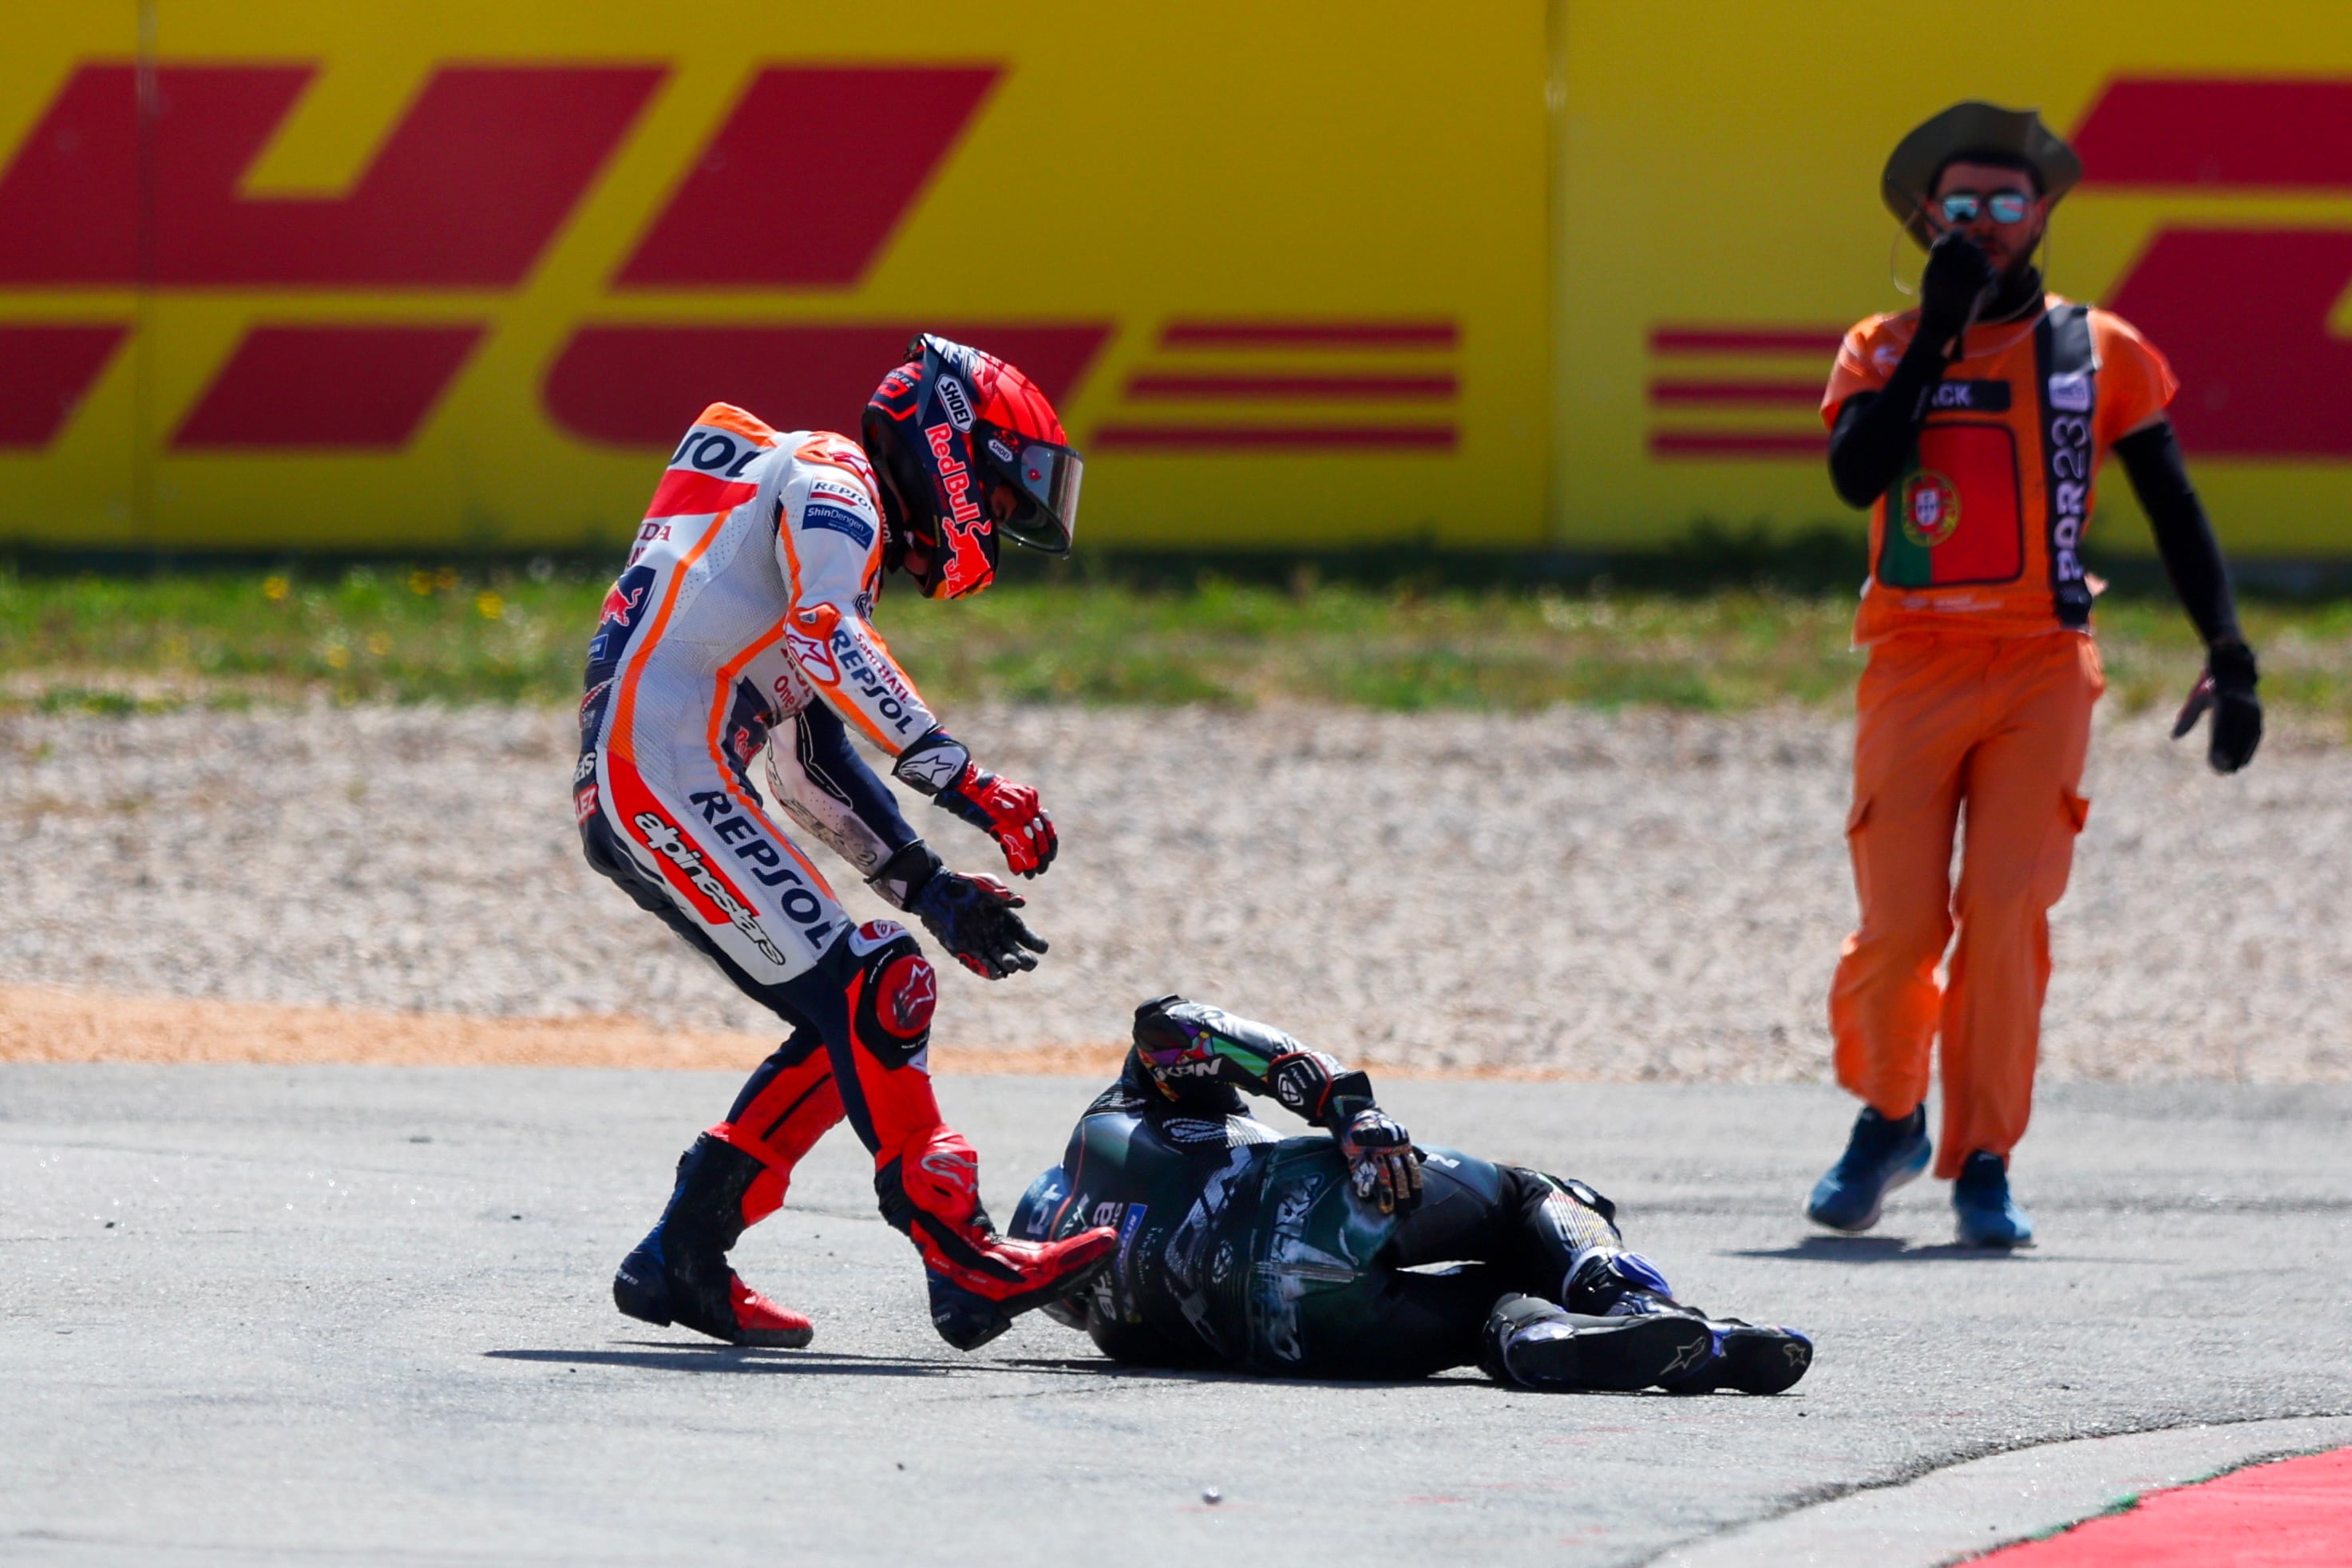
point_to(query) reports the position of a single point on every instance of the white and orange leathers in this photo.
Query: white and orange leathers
(746, 598)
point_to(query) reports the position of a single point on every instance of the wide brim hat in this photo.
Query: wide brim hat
(1971, 127)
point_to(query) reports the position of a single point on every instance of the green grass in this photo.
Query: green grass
(123, 644)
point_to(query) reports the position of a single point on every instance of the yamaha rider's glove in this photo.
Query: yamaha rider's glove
(1957, 279)
(939, 766)
(2227, 687)
(1382, 1164)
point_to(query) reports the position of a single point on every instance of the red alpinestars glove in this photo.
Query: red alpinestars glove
(1381, 1161)
(939, 766)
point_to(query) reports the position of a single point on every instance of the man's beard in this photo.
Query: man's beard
(2017, 290)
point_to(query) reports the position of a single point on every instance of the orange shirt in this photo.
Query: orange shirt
(1965, 539)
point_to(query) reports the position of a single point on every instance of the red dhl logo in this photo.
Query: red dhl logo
(2242, 312)
(114, 189)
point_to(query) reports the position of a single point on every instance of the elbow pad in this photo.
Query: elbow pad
(933, 762)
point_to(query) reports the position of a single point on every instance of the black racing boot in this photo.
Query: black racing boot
(1745, 1357)
(678, 1273)
(1751, 1358)
(1529, 1342)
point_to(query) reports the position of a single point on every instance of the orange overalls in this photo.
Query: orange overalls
(1978, 691)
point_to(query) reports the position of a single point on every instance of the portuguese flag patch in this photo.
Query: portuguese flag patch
(1955, 515)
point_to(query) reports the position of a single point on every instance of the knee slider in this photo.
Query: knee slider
(1543, 1184)
(1586, 1195)
(892, 994)
(1582, 1218)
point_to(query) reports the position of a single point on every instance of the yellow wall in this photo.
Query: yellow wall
(1502, 206)
(1720, 165)
(1133, 166)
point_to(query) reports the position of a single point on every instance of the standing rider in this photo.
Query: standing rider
(1973, 428)
(743, 622)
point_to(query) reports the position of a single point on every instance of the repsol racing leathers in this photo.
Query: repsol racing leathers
(1240, 1248)
(744, 610)
(740, 625)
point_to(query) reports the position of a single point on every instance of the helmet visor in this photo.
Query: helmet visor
(1047, 476)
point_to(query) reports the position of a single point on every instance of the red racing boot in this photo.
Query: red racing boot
(980, 1281)
(678, 1273)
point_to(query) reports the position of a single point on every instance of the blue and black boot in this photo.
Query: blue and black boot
(678, 1273)
(1987, 1216)
(1752, 1358)
(1529, 1342)
(1748, 1357)
(1880, 1156)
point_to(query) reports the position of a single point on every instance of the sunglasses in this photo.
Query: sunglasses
(1962, 207)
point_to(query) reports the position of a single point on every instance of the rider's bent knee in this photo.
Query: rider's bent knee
(893, 992)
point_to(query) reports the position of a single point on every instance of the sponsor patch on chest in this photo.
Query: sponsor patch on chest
(838, 521)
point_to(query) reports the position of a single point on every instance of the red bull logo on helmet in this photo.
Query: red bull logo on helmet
(953, 475)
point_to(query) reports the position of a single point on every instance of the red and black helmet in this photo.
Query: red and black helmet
(948, 427)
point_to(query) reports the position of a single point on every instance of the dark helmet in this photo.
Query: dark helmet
(947, 428)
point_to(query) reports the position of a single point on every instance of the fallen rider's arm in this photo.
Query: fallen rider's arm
(1178, 1040)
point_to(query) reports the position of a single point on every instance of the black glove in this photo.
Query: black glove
(973, 918)
(1958, 277)
(2227, 688)
(1381, 1161)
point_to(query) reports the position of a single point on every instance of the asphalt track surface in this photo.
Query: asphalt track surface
(323, 1315)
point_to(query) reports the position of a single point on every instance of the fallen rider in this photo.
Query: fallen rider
(1305, 1257)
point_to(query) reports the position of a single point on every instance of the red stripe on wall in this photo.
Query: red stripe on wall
(2273, 377)
(350, 388)
(877, 135)
(1332, 334)
(1734, 392)
(483, 167)
(642, 385)
(46, 370)
(1706, 340)
(1272, 438)
(1291, 386)
(2243, 132)
(1672, 444)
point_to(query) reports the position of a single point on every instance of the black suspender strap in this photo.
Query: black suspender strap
(2067, 372)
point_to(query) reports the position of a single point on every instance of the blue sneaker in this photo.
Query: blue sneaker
(1987, 1216)
(1880, 1157)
